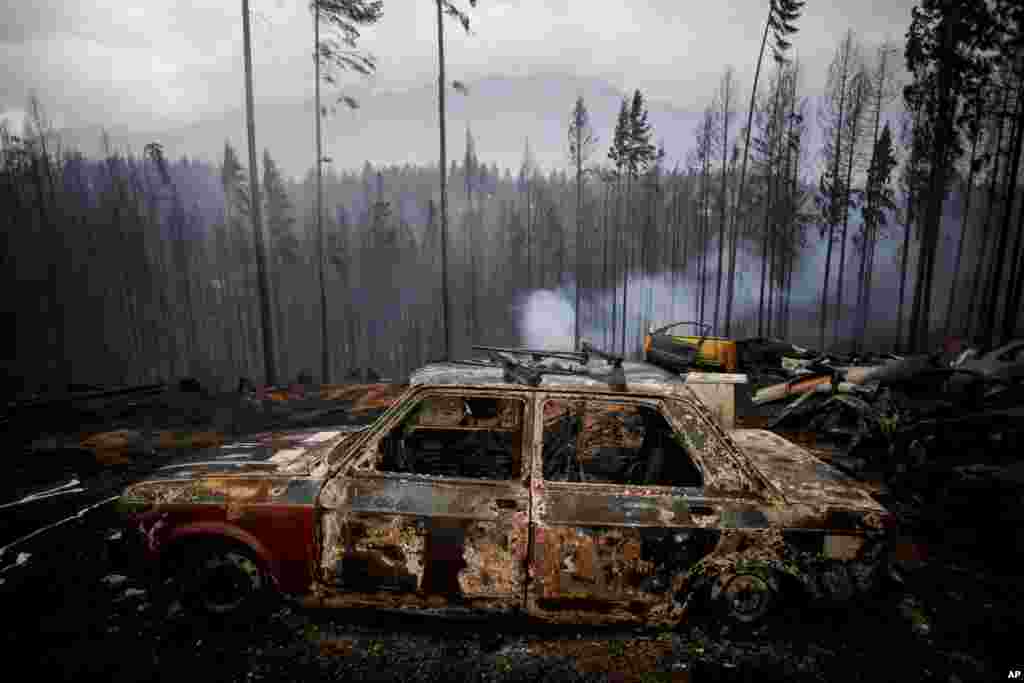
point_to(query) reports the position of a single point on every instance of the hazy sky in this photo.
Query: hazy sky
(146, 63)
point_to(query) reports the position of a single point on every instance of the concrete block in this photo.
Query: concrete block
(718, 392)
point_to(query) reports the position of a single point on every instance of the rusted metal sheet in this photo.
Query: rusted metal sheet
(456, 540)
(624, 569)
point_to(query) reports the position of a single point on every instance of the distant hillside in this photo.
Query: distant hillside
(400, 127)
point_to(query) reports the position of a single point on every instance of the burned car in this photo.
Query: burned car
(578, 489)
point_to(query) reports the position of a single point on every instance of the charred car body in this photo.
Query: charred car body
(570, 488)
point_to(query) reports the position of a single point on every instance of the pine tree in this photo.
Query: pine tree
(948, 54)
(916, 138)
(470, 165)
(701, 163)
(237, 207)
(639, 154)
(284, 245)
(832, 197)
(854, 129)
(723, 114)
(581, 143)
(878, 200)
(263, 286)
(527, 173)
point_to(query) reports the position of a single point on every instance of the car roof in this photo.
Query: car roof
(640, 377)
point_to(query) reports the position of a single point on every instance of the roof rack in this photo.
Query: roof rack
(582, 356)
(532, 372)
(612, 359)
(527, 373)
(537, 354)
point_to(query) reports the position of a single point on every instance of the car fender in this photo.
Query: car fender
(214, 530)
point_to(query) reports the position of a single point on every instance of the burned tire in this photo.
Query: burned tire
(744, 599)
(221, 578)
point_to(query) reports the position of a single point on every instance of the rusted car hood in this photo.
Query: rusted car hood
(798, 475)
(291, 452)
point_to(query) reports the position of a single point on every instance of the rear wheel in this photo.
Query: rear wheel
(222, 578)
(745, 599)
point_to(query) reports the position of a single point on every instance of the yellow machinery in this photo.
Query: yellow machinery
(680, 353)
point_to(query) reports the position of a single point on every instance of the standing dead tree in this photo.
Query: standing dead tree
(581, 143)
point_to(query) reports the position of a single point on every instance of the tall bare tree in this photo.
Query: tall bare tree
(832, 197)
(703, 152)
(335, 52)
(854, 125)
(770, 144)
(449, 8)
(269, 361)
(782, 15)
(996, 124)
(877, 200)
(723, 114)
(973, 164)
(883, 92)
(618, 154)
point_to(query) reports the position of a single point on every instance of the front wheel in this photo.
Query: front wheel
(221, 578)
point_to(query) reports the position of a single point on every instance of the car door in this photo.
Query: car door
(618, 512)
(434, 511)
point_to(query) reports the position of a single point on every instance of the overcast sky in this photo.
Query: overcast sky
(150, 63)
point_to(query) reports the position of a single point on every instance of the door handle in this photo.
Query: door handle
(507, 503)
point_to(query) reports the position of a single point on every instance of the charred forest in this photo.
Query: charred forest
(885, 214)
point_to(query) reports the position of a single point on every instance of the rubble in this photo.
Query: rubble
(944, 430)
(764, 355)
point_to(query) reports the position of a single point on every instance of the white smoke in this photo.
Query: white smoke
(546, 318)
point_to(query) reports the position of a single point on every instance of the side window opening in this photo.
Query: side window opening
(610, 443)
(454, 436)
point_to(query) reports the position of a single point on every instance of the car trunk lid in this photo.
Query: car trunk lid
(799, 476)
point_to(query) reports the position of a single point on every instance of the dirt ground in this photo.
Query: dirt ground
(71, 615)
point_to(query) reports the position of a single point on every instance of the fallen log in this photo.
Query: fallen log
(47, 401)
(795, 387)
(894, 371)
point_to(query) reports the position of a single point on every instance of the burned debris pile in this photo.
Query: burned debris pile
(882, 412)
(944, 429)
(894, 413)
